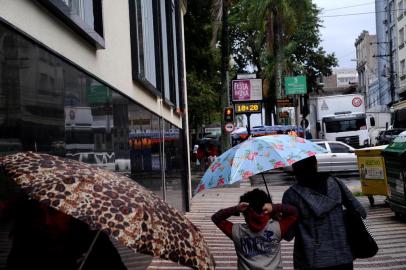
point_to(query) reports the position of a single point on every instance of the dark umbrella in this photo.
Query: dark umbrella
(110, 203)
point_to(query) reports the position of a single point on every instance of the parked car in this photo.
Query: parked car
(340, 158)
(387, 136)
(403, 134)
(374, 135)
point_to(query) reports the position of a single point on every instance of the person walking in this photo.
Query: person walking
(257, 242)
(201, 155)
(320, 235)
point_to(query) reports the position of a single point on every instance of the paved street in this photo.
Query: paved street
(389, 232)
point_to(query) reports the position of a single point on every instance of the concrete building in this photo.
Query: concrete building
(387, 33)
(96, 79)
(401, 61)
(367, 67)
(342, 81)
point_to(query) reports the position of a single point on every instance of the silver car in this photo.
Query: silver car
(340, 158)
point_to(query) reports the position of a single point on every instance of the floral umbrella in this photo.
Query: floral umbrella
(257, 155)
(111, 203)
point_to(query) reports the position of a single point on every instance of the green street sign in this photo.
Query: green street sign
(295, 85)
(97, 94)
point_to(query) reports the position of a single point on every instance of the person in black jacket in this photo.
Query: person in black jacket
(44, 238)
(320, 235)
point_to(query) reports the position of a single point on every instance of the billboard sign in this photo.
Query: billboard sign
(247, 90)
(295, 85)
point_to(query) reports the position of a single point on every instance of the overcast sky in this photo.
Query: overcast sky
(339, 33)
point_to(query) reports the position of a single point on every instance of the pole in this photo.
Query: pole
(248, 124)
(89, 250)
(266, 186)
(225, 59)
(391, 75)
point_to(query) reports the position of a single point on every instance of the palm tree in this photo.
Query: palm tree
(279, 19)
(220, 13)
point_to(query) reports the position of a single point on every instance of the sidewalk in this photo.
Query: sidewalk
(389, 232)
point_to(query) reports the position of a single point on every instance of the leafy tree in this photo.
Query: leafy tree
(305, 54)
(202, 66)
(276, 37)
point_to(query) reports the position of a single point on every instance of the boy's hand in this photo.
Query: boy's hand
(242, 206)
(267, 208)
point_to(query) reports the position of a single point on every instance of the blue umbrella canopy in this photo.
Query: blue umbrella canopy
(257, 155)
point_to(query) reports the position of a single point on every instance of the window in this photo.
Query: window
(322, 145)
(165, 51)
(401, 36)
(48, 105)
(84, 16)
(400, 9)
(345, 125)
(157, 47)
(339, 148)
(402, 67)
(145, 43)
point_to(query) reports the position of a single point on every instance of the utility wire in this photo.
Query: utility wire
(359, 13)
(345, 7)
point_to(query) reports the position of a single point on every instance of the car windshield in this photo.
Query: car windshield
(345, 125)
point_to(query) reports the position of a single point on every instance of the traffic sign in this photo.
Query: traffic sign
(228, 114)
(295, 85)
(229, 127)
(304, 123)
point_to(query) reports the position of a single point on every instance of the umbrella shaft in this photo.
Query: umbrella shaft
(90, 250)
(266, 186)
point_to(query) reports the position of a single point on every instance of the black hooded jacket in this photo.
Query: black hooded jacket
(321, 238)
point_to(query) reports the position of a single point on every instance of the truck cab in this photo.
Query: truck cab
(348, 127)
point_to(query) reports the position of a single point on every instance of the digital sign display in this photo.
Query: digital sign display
(251, 107)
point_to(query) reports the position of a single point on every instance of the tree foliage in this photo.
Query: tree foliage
(263, 30)
(305, 55)
(202, 65)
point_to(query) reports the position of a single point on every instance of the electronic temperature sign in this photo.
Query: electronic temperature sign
(248, 107)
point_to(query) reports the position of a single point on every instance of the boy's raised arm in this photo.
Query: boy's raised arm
(221, 216)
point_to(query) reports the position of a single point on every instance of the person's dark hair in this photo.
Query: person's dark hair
(256, 199)
(307, 175)
(307, 165)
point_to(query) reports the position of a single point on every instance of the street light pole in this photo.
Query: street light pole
(225, 59)
(391, 72)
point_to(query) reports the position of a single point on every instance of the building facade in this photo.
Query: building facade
(401, 61)
(367, 68)
(341, 81)
(101, 82)
(388, 40)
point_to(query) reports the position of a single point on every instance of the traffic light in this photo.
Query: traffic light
(228, 114)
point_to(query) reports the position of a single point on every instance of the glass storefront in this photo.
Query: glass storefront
(48, 105)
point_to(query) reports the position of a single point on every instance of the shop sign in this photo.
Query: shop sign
(285, 102)
(247, 90)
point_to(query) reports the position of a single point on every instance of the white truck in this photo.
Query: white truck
(341, 118)
(377, 121)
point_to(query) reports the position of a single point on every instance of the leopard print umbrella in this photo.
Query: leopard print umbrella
(112, 203)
